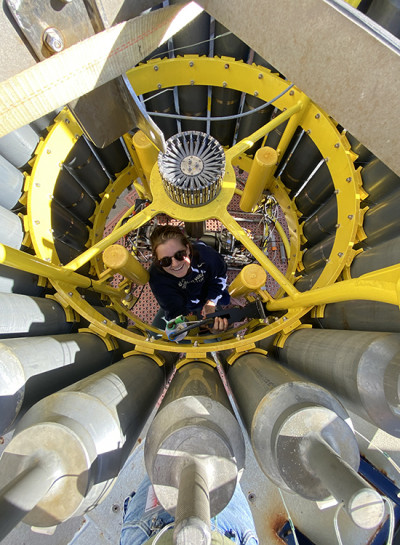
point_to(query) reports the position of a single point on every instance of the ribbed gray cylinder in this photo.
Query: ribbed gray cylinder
(387, 14)
(11, 230)
(91, 427)
(384, 255)
(11, 182)
(195, 423)
(378, 180)
(273, 400)
(23, 316)
(306, 282)
(364, 155)
(17, 281)
(34, 367)
(382, 221)
(18, 146)
(361, 367)
(322, 222)
(361, 316)
(316, 256)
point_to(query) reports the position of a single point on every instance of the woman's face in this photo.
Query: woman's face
(169, 249)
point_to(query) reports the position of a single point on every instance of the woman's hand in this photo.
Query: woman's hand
(220, 324)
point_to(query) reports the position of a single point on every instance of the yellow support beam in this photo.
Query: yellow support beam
(248, 142)
(32, 264)
(262, 259)
(382, 285)
(134, 223)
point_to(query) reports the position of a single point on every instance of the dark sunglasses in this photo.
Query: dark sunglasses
(167, 261)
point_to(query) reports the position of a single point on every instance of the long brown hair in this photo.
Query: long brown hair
(162, 233)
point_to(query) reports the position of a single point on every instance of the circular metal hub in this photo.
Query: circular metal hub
(192, 168)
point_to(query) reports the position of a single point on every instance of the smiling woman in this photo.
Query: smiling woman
(186, 277)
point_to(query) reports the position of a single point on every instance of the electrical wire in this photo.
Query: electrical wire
(391, 520)
(336, 525)
(194, 45)
(290, 519)
(385, 454)
(222, 118)
(157, 94)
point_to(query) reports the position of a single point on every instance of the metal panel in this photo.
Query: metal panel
(328, 53)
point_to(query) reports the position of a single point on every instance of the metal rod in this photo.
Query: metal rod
(346, 290)
(24, 491)
(247, 142)
(140, 219)
(363, 504)
(237, 231)
(192, 520)
(32, 264)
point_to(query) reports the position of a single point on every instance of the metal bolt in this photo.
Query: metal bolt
(37, 184)
(260, 76)
(317, 116)
(53, 40)
(256, 93)
(196, 343)
(291, 93)
(104, 321)
(326, 159)
(191, 64)
(340, 254)
(67, 121)
(337, 145)
(251, 497)
(224, 84)
(336, 191)
(48, 151)
(348, 179)
(192, 82)
(285, 318)
(337, 226)
(47, 259)
(82, 296)
(308, 131)
(70, 294)
(37, 222)
(159, 86)
(226, 66)
(115, 508)
(350, 216)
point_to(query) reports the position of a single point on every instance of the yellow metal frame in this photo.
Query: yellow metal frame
(254, 80)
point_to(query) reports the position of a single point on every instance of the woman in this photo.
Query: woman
(186, 277)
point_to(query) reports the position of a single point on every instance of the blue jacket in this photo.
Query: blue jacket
(205, 280)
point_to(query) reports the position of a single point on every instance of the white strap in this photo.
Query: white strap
(74, 72)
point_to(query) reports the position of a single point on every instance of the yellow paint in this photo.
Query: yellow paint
(147, 152)
(260, 177)
(251, 278)
(118, 258)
